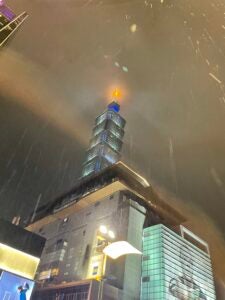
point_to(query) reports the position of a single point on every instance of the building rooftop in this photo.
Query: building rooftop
(94, 188)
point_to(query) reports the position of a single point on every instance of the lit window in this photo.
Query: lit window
(95, 270)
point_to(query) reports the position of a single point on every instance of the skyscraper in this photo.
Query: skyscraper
(9, 22)
(111, 202)
(106, 142)
(175, 265)
(73, 262)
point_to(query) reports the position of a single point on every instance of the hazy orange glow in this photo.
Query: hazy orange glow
(116, 94)
(116, 91)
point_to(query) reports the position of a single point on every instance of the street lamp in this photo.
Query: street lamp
(117, 249)
(111, 234)
(106, 236)
(106, 232)
(103, 229)
(113, 250)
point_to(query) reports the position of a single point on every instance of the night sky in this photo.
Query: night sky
(168, 58)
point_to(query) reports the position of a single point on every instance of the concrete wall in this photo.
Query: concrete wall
(70, 243)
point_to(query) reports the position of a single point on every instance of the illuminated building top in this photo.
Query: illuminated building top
(6, 11)
(114, 106)
(9, 22)
(107, 139)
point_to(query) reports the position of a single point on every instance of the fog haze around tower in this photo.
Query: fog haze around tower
(167, 56)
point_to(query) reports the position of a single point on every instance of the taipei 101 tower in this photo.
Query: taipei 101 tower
(85, 226)
(107, 139)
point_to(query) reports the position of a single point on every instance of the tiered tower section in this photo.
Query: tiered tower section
(106, 142)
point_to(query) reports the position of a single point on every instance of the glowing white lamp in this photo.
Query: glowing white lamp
(111, 234)
(120, 248)
(103, 229)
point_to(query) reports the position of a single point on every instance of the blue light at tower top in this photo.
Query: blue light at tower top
(114, 106)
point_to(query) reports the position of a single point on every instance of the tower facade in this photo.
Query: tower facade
(9, 22)
(175, 266)
(106, 141)
(73, 263)
(73, 251)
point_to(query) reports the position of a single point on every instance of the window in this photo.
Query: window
(145, 279)
(95, 270)
(147, 234)
(146, 257)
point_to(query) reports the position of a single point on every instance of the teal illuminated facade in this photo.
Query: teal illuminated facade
(175, 266)
(106, 142)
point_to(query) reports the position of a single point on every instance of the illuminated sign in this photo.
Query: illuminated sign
(95, 269)
(48, 273)
(174, 268)
(18, 262)
(184, 285)
(15, 287)
(44, 275)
